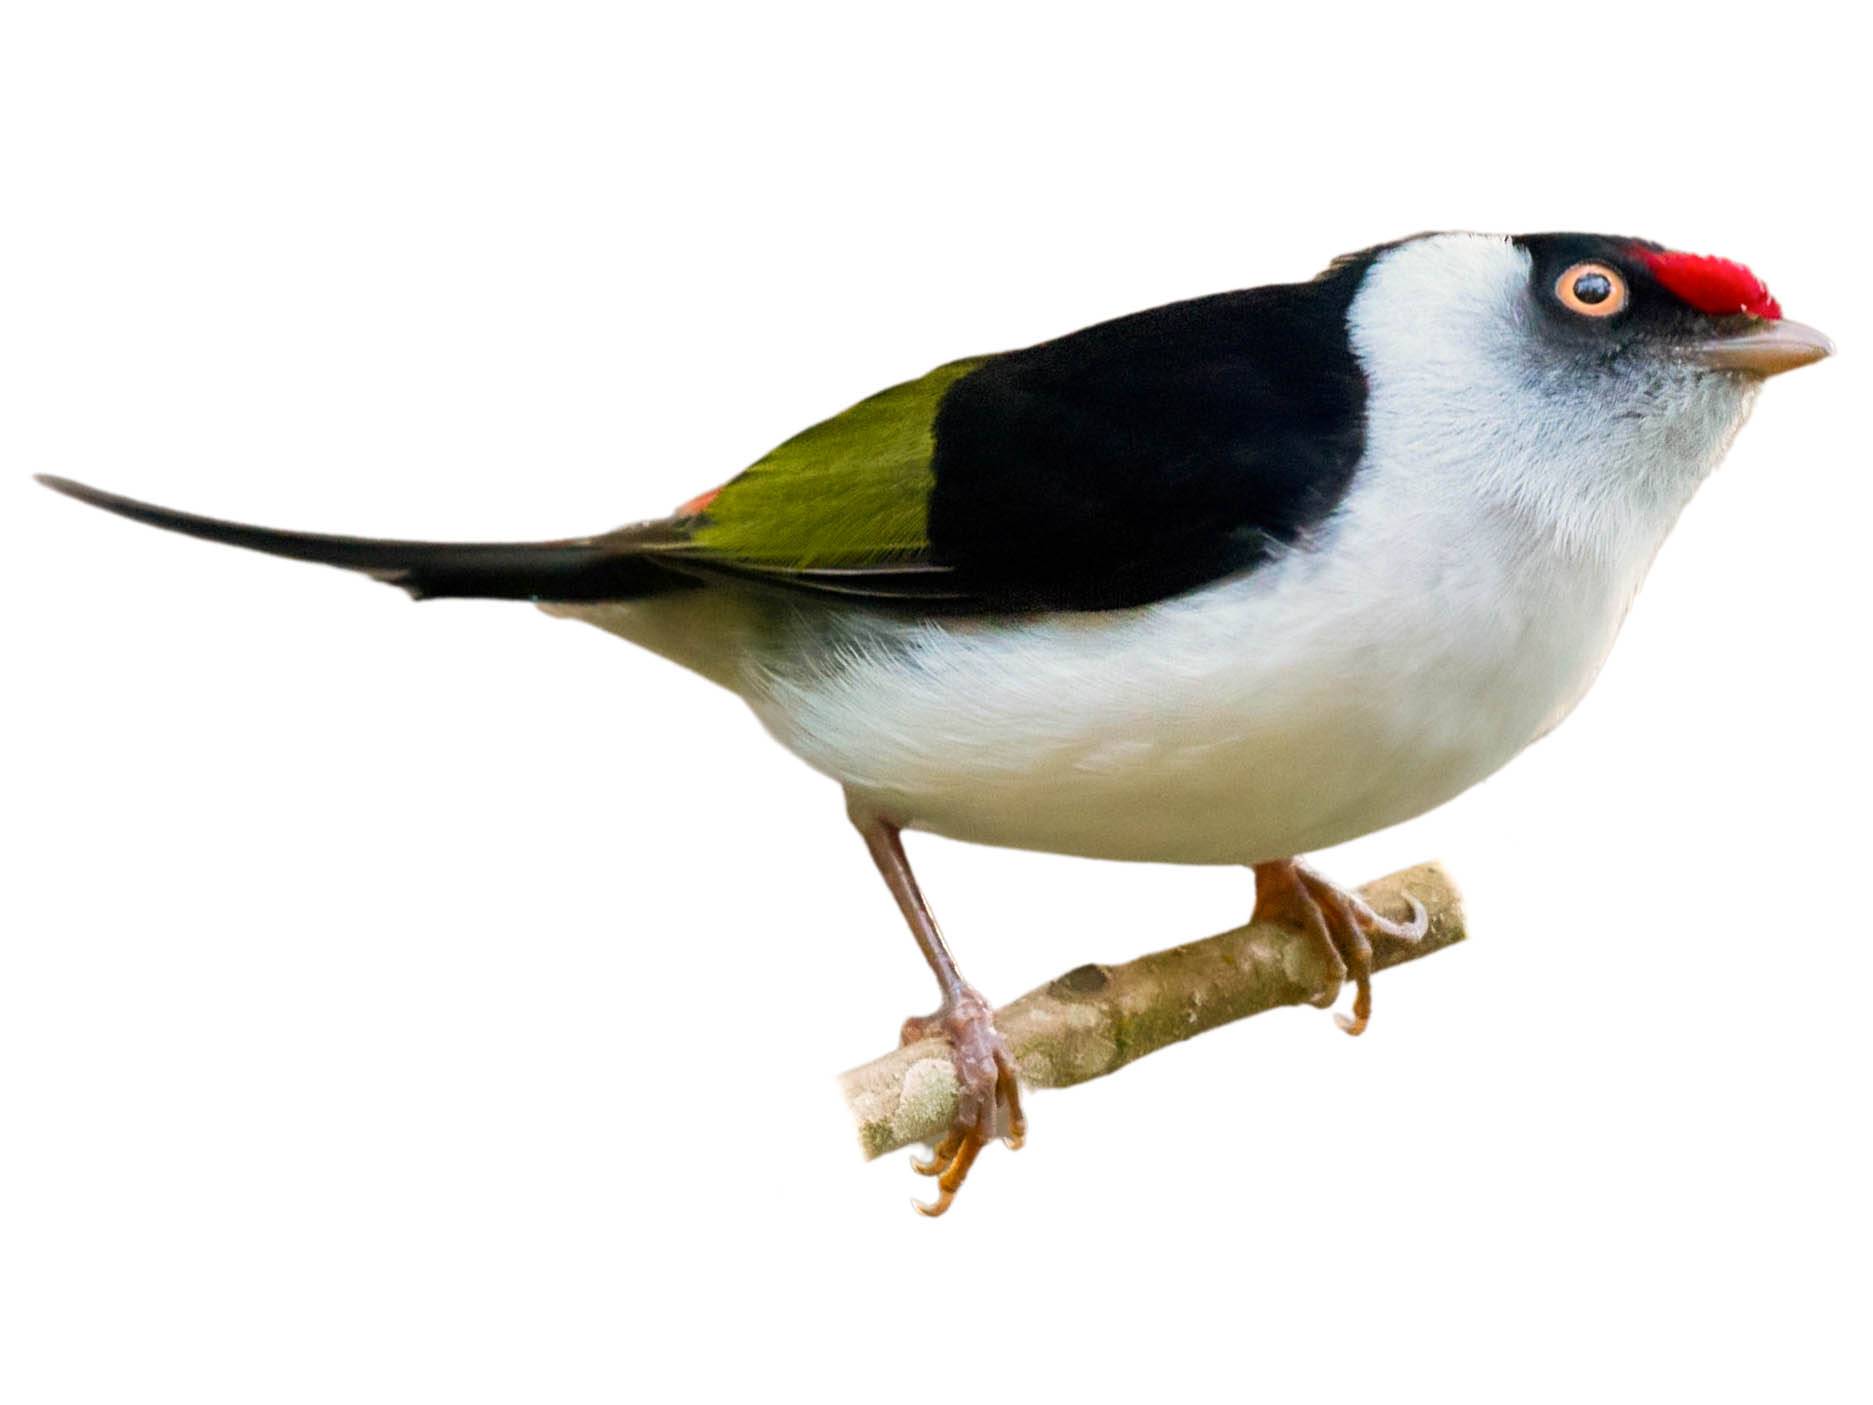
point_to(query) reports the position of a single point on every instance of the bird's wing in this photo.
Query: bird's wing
(1112, 467)
(1115, 466)
(841, 508)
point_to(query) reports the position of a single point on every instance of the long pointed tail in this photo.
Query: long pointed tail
(613, 566)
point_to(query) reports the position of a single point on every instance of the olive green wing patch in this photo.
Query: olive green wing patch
(850, 494)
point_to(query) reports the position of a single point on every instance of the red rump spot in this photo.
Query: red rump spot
(698, 504)
(1712, 285)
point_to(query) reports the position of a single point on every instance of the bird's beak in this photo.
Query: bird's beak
(1765, 349)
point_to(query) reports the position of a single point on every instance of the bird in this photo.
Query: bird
(1222, 582)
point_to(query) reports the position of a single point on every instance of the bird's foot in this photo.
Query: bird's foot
(1339, 922)
(988, 1095)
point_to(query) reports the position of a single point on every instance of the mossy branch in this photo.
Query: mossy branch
(1096, 1019)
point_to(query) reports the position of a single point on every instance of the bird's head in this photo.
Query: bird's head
(1599, 378)
(1606, 300)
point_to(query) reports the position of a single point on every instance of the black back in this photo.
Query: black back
(1144, 456)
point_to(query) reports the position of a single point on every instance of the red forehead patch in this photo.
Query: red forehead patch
(1712, 285)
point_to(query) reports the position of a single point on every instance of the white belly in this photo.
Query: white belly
(1294, 709)
(1336, 691)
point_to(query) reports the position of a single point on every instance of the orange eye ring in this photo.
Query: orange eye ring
(1592, 290)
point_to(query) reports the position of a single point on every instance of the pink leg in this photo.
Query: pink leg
(985, 1070)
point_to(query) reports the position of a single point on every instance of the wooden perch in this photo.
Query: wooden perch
(1096, 1019)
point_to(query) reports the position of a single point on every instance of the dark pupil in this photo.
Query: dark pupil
(1593, 288)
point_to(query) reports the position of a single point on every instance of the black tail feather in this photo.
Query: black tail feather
(607, 567)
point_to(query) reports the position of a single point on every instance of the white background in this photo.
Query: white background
(443, 1003)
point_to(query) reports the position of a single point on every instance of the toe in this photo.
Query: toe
(1008, 1095)
(954, 1174)
(1409, 930)
(941, 1155)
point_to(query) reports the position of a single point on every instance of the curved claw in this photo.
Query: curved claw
(1372, 924)
(1411, 931)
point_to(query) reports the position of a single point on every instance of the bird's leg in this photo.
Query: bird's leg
(985, 1070)
(1339, 922)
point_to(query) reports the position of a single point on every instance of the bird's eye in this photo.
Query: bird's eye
(1592, 290)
